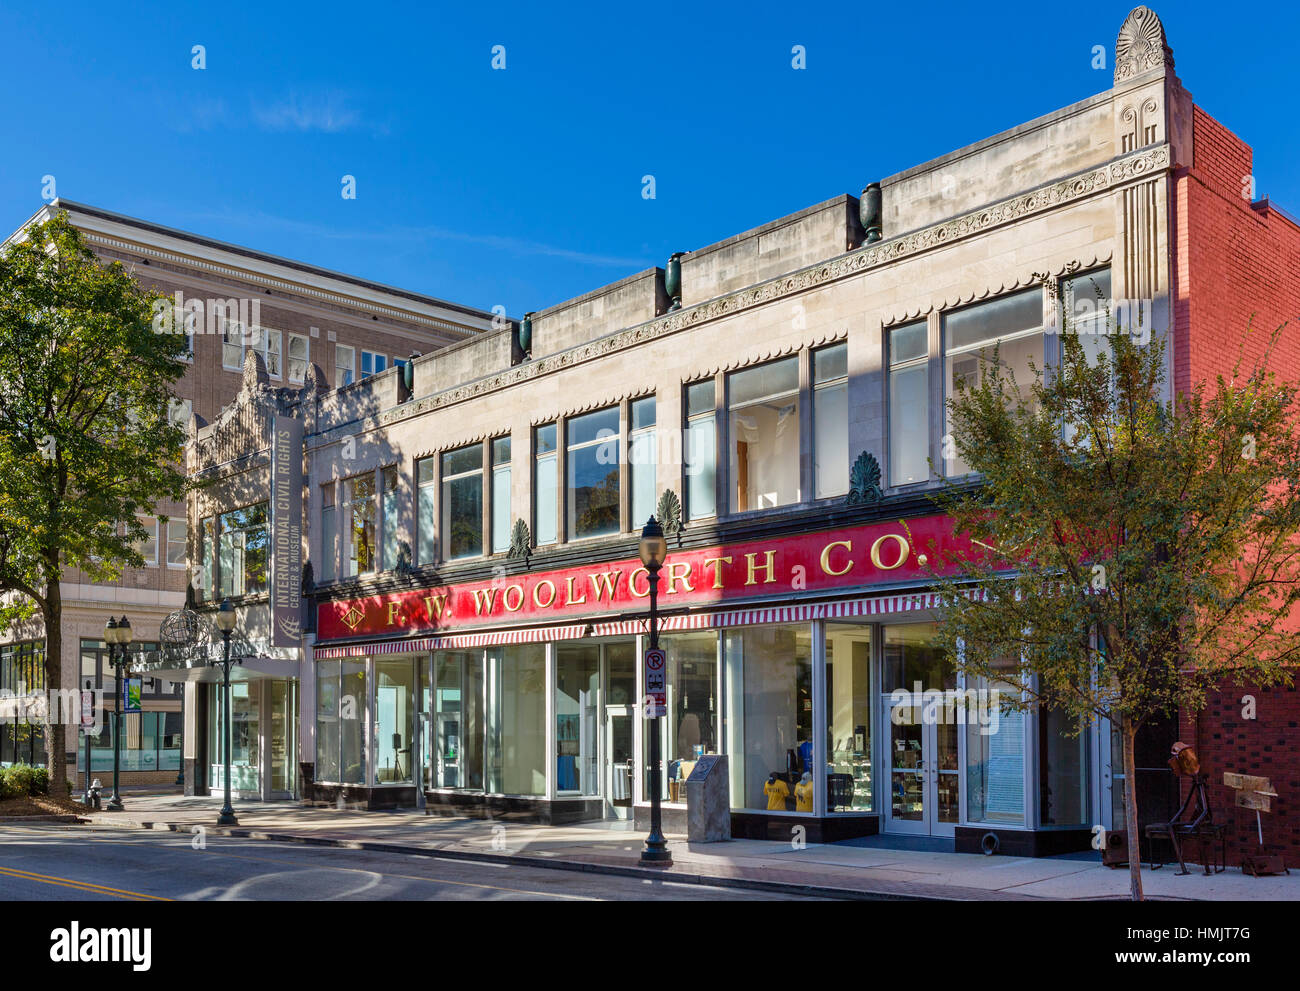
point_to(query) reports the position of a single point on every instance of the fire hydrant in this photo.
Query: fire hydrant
(91, 799)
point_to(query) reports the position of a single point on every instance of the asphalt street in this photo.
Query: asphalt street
(80, 863)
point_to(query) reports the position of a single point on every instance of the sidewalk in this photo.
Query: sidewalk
(833, 869)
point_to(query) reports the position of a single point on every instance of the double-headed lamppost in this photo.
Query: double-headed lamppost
(226, 624)
(117, 635)
(653, 551)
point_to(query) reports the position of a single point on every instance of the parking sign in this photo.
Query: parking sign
(656, 683)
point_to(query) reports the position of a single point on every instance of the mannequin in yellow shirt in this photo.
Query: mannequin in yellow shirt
(803, 793)
(777, 791)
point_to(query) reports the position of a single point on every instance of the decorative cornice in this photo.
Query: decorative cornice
(758, 357)
(1080, 186)
(244, 275)
(1022, 280)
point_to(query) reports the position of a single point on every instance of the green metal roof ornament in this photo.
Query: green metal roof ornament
(864, 480)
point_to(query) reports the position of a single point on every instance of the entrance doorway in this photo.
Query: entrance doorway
(921, 733)
(619, 763)
(924, 776)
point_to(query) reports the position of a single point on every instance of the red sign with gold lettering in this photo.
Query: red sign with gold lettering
(699, 577)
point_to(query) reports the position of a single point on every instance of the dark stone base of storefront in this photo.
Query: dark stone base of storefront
(831, 829)
(1023, 843)
(513, 809)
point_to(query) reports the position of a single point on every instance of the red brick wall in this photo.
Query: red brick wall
(1234, 262)
(1266, 746)
(1231, 262)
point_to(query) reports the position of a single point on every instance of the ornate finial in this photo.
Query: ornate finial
(864, 480)
(521, 542)
(1141, 45)
(669, 512)
(308, 578)
(403, 566)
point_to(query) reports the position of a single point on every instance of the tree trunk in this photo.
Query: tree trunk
(1129, 733)
(56, 759)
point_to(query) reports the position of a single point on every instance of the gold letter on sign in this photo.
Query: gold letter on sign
(826, 557)
(767, 567)
(393, 608)
(903, 551)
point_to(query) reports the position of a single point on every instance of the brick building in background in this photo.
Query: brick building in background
(298, 316)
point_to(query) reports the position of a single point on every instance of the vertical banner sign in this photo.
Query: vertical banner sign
(131, 692)
(656, 683)
(87, 710)
(286, 532)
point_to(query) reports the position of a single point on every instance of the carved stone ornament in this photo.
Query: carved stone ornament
(521, 542)
(864, 480)
(1141, 45)
(669, 512)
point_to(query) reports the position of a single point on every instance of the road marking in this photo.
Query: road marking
(80, 885)
(354, 870)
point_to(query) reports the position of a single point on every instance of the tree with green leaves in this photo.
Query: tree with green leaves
(87, 362)
(1132, 551)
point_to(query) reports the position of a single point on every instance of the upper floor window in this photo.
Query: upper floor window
(299, 354)
(359, 497)
(831, 421)
(426, 475)
(462, 502)
(148, 547)
(206, 580)
(643, 458)
(269, 343)
(546, 481)
(763, 409)
(232, 345)
(388, 478)
(1014, 325)
(242, 546)
(372, 364)
(329, 534)
(176, 536)
(500, 495)
(701, 450)
(345, 365)
(594, 446)
(909, 403)
(1087, 312)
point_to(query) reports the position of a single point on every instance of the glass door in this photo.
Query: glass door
(619, 763)
(924, 767)
(284, 738)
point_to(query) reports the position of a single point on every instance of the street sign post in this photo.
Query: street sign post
(656, 683)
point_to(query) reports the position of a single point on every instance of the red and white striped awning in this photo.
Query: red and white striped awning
(536, 634)
(841, 609)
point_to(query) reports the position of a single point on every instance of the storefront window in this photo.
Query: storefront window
(245, 760)
(691, 728)
(341, 714)
(394, 720)
(769, 713)
(831, 420)
(457, 720)
(516, 719)
(1015, 325)
(909, 404)
(764, 427)
(577, 710)
(594, 450)
(1062, 770)
(848, 718)
(995, 753)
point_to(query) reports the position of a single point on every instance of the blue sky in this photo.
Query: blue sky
(522, 187)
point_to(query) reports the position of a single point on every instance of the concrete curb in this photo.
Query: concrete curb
(713, 880)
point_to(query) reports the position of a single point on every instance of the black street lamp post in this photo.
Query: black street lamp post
(226, 624)
(117, 635)
(653, 550)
